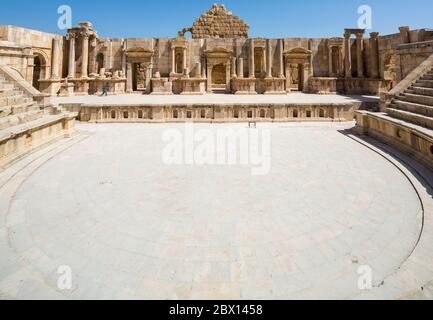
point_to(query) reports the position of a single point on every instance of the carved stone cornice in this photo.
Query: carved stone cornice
(84, 30)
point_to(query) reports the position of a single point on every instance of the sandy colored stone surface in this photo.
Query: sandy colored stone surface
(130, 226)
(296, 98)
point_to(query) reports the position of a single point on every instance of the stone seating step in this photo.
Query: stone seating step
(10, 92)
(404, 123)
(7, 92)
(9, 132)
(22, 118)
(411, 117)
(5, 111)
(421, 91)
(413, 107)
(427, 77)
(13, 100)
(424, 83)
(24, 107)
(416, 98)
(7, 86)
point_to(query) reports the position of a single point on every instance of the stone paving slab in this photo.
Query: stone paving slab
(292, 98)
(131, 227)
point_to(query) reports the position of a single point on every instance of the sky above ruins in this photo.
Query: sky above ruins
(270, 18)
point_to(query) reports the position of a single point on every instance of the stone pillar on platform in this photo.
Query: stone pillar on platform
(233, 68)
(241, 68)
(85, 56)
(251, 71)
(268, 59)
(55, 67)
(71, 60)
(359, 54)
(347, 56)
(280, 58)
(374, 45)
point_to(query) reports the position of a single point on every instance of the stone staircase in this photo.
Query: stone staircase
(415, 104)
(15, 107)
(24, 123)
(406, 117)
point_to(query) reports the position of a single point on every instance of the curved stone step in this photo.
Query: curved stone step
(424, 83)
(415, 118)
(413, 107)
(416, 98)
(19, 119)
(24, 107)
(421, 91)
(427, 77)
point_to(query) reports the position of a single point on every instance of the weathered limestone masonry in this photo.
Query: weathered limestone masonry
(215, 113)
(406, 117)
(220, 57)
(25, 124)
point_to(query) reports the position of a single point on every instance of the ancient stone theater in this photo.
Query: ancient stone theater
(82, 182)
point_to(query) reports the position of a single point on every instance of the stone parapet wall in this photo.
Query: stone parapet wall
(416, 142)
(215, 113)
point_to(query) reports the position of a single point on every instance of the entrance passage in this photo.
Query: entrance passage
(219, 79)
(37, 72)
(139, 77)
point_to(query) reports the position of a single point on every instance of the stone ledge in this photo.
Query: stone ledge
(18, 140)
(411, 139)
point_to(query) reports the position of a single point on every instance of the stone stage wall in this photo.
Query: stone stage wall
(214, 113)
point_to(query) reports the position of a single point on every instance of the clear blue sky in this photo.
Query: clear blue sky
(268, 18)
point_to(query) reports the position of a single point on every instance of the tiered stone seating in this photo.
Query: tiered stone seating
(406, 120)
(416, 103)
(24, 123)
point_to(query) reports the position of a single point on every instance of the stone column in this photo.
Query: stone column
(347, 56)
(268, 59)
(251, 61)
(228, 84)
(184, 59)
(197, 73)
(71, 65)
(92, 59)
(374, 45)
(241, 68)
(173, 60)
(233, 67)
(124, 62)
(404, 32)
(203, 69)
(330, 62)
(56, 59)
(85, 57)
(281, 58)
(129, 88)
(209, 78)
(288, 78)
(359, 55)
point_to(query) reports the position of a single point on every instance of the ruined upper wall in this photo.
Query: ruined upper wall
(218, 23)
(28, 37)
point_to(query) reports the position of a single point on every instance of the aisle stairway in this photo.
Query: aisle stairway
(24, 123)
(407, 118)
(415, 105)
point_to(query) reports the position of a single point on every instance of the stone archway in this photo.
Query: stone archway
(41, 68)
(37, 68)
